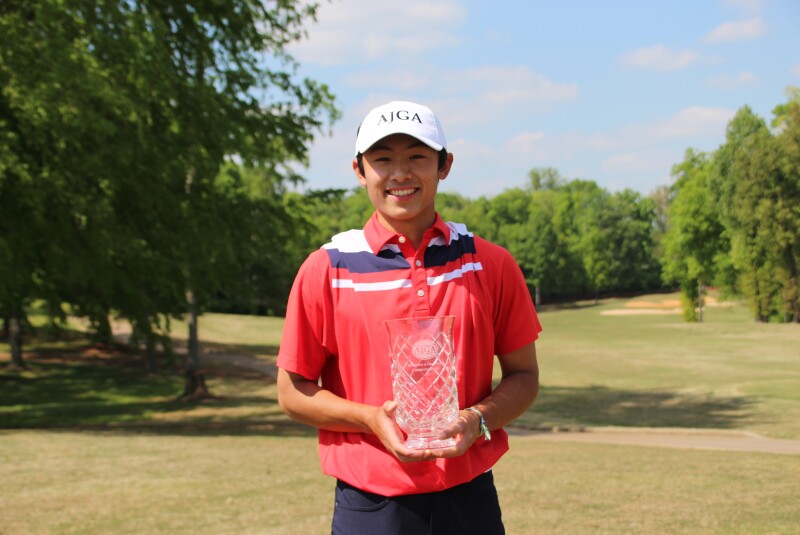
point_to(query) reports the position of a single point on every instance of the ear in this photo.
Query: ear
(448, 164)
(361, 179)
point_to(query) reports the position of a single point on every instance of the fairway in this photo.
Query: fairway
(90, 445)
(133, 483)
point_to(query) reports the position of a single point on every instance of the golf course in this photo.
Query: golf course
(91, 444)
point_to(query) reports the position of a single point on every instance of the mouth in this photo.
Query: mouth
(401, 193)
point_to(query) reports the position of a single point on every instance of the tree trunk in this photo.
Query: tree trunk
(150, 363)
(193, 355)
(15, 340)
(102, 330)
(700, 290)
(195, 386)
(538, 297)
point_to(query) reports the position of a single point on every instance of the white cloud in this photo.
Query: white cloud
(744, 78)
(505, 85)
(687, 124)
(527, 144)
(737, 31)
(691, 122)
(401, 80)
(488, 94)
(796, 69)
(747, 5)
(660, 58)
(642, 161)
(352, 31)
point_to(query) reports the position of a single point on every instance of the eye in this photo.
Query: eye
(418, 156)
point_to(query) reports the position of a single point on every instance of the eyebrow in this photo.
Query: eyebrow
(415, 144)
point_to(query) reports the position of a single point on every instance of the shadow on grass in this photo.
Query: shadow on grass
(602, 406)
(570, 305)
(212, 348)
(80, 393)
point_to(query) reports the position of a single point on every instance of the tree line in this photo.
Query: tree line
(734, 216)
(731, 219)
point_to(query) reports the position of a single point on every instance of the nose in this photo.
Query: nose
(401, 171)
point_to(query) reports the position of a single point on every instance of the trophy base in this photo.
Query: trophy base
(429, 443)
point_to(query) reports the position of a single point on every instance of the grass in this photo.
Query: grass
(132, 483)
(658, 371)
(89, 444)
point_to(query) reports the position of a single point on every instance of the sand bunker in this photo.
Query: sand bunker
(665, 307)
(640, 311)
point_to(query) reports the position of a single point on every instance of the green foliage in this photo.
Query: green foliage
(695, 242)
(115, 120)
(756, 184)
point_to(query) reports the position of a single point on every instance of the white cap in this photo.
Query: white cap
(400, 117)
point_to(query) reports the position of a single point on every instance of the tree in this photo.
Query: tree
(545, 178)
(756, 190)
(695, 244)
(787, 201)
(117, 118)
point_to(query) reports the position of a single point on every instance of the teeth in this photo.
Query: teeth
(402, 192)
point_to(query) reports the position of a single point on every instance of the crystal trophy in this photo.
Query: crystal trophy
(424, 378)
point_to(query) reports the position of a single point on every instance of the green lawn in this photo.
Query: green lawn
(89, 444)
(658, 371)
(94, 482)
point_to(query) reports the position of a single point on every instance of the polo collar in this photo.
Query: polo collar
(377, 235)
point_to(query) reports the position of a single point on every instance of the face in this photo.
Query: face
(401, 175)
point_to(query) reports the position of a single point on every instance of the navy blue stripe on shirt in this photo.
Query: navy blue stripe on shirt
(441, 255)
(366, 261)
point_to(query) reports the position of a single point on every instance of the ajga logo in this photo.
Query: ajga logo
(425, 349)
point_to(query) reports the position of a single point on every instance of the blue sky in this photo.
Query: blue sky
(613, 91)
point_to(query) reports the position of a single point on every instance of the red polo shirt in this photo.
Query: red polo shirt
(334, 331)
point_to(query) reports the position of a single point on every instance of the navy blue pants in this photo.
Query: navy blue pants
(471, 508)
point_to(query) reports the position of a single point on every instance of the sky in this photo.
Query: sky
(613, 91)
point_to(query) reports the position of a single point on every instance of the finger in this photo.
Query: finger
(390, 407)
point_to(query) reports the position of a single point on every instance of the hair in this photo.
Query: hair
(442, 160)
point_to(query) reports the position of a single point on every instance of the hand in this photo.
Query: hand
(465, 430)
(383, 425)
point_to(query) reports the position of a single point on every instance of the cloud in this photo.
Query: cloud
(746, 5)
(796, 69)
(744, 78)
(660, 58)
(527, 143)
(483, 95)
(401, 80)
(688, 123)
(353, 31)
(737, 31)
(642, 161)
(500, 84)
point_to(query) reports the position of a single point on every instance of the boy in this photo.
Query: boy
(334, 368)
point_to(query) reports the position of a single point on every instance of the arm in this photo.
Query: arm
(305, 401)
(516, 392)
(517, 389)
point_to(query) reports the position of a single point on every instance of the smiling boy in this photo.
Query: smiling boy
(334, 370)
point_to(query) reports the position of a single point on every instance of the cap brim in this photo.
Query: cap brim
(364, 145)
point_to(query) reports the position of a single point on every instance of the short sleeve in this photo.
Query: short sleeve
(308, 336)
(516, 323)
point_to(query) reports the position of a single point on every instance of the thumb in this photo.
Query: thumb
(389, 408)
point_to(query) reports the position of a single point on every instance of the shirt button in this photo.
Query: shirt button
(401, 239)
(421, 293)
(418, 263)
